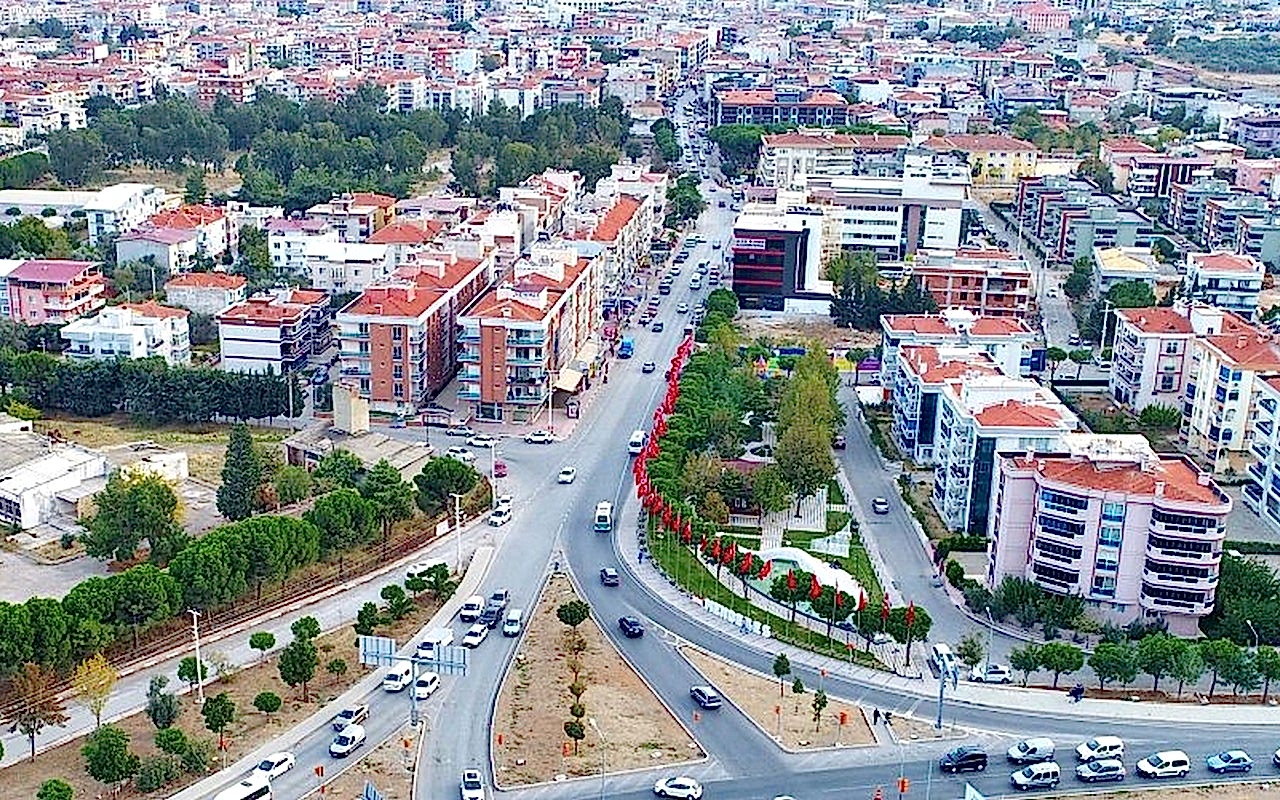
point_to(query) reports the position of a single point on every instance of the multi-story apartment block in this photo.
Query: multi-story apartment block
(814, 107)
(205, 292)
(121, 208)
(530, 335)
(1185, 213)
(1137, 535)
(1226, 280)
(1115, 265)
(1258, 132)
(346, 266)
(287, 241)
(993, 159)
(131, 331)
(923, 372)
(1227, 369)
(274, 331)
(1007, 342)
(1079, 231)
(1220, 225)
(1260, 237)
(355, 215)
(55, 291)
(1262, 477)
(626, 231)
(790, 160)
(978, 418)
(989, 283)
(1151, 354)
(398, 340)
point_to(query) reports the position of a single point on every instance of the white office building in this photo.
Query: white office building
(132, 331)
(339, 267)
(120, 208)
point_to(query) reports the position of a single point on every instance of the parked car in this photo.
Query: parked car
(1165, 764)
(1031, 751)
(482, 440)
(490, 617)
(991, 673)
(838, 441)
(475, 635)
(648, 367)
(964, 759)
(500, 516)
(631, 627)
(347, 740)
(880, 505)
(539, 437)
(426, 685)
(1044, 775)
(471, 609)
(459, 430)
(609, 576)
(500, 597)
(275, 765)
(683, 308)
(1104, 769)
(567, 475)
(462, 454)
(1100, 747)
(681, 787)
(705, 696)
(471, 786)
(351, 715)
(1229, 761)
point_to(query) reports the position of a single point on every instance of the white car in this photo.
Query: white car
(567, 475)
(472, 785)
(680, 786)
(683, 308)
(426, 685)
(462, 454)
(475, 635)
(992, 673)
(504, 501)
(275, 765)
(500, 516)
(347, 740)
(482, 440)
(539, 437)
(1165, 764)
(459, 430)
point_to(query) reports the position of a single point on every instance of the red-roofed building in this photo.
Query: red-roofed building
(1224, 279)
(1007, 340)
(1138, 535)
(993, 158)
(626, 230)
(276, 331)
(1151, 355)
(397, 341)
(990, 283)
(206, 292)
(355, 215)
(403, 238)
(55, 291)
(824, 153)
(532, 335)
(922, 372)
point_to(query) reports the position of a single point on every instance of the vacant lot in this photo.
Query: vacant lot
(533, 706)
(1223, 791)
(388, 766)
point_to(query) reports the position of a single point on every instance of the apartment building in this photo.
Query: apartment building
(205, 292)
(120, 208)
(355, 215)
(625, 230)
(1007, 342)
(531, 334)
(1137, 535)
(274, 331)
(130, 331)
(799, 106)
(1185, 213)
(55, 291)
(1115, 265)
(1226, 280)
(988, 283)
(789, 160)
(210, 226)
(1261, 491)
(1220, 225)
(397, 341)
(1258, 132)
(287, 241)
(776, 255)
(171, 250)
(923, 371)
(1227, 371)
(1151, 353)
(338, 266)
(993, 159)
(1259, 237)
(978, 418)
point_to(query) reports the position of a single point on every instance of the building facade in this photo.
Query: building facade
(55, 291)
(1226, 280)
(1008, 342)
(130, 331)
(206, 292)
(276, 331)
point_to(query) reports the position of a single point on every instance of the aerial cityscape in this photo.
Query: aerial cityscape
(541, 399)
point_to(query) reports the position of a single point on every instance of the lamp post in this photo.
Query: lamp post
(1254, 631)
(457, 527)
(604, 744)
(991, 633)
(195, 629)
(493, 477)
(945, 674)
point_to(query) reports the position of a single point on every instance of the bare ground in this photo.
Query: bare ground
(804, 329)
(389, 767)
(788, 718)
(533, 705)
(1264, 790)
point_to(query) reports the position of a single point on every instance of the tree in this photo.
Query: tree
(970, 650)
(1076, 285)
(144, 594)
(573, 613)
(797, 690)
(337, 668)
(684, 201)
(1060, 658)
(92, 682)
(1241, 672)
(398, 604)
(132, 508)
(1160, 417)
(804, 459)
(298, 664)
(1267, 661)
(1080, 358)
(338, 469)
(440, 583)
(172, 741)
(267, 702)
(292, 485)
(1114, 661)
(1054, 356)
(55, 789)
(1098, 172)
(831, 607)
(262, 641)
(1025, 659)
(575, 731)
(77, 157)
(107, 757)
(391, 496)
(1217, 653)
(367, 619)
(218, 712)
(36, 704)
(241, 476)
(305, 628)
(196, 191)
(439, 479)
(819, 705)
(768, 489)
(162, 707)
(1156, 655)
(781, 669)
(416, 584)
(344, 519)
(1188, 666)
(188, 674)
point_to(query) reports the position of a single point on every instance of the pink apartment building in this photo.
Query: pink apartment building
(55, 290)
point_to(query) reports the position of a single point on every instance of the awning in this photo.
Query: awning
(587, 355)
(568, 379)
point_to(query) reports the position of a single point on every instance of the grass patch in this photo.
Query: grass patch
(739, 530)
(879, 424)
(835, 495)
(858, 564)
(915, 494)
(836, 520)
(802, 539)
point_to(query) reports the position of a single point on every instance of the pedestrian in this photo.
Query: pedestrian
(875, 717)
(887, 718)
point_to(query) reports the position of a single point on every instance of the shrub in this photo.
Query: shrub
(156, 773)
(955, 573)
(198, 757)
(172, 741)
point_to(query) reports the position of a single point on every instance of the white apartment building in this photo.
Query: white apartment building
(923, 372)
(1152, 351)
(131, 331)
(339, 267)
(1226, 280)
(287, 243)
(791, 160)
(982, 416)
(1137, 535)
(121, 207)
(1262, 478)
(1007, 341)
(274, 332)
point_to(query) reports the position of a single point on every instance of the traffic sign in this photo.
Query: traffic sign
(370, 792)
(377, 651)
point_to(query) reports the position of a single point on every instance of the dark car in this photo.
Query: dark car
(631, 627)
(609, 576)
(838, 441)
(658, 327)
(664, 288)
(491, 616)
(964, 759)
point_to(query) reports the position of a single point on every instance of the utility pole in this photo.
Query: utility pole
(195, 628)
(604, 744)
(457, 527)
(493, 477)
(991, 633)
(945, 674)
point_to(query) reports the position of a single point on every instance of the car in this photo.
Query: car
(499, 469)
(1104, 769)
(703, 268)
(664, 288)
(658, 327)
(490, 617)
(426, 685)
(683, 308)
(275, 765)
(320, 378)
(1100, 747)
(680, 786)
(1165, 764)
(609, 576)
(1229, 761)
(504, 501)
(462, 454)
(459, 430)
(500, 516)
(475, 635)
(713, 280)
(631, 627)
(347, 740)
(471, 786)
(839, 442)
(499, 598)
(538, 437)
(991, 673)
(645, 319)
(648, 367)
(1074, 341)
(705, 696)
(880, 505)
(964, 759)
(567, 475)
(471, 608)
(482, 440)
(350, 715)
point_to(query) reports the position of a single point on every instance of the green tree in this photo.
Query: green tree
(106, 756)
(769, 490)
(218, 712)
(391, 496)
(575, 731)
(298, 662)
(131, 509)
(188, 674)
(970, 651)
(172, 741)
(398, 604)
(441, 478)
(804, 459)
(1241, 672)
(162, 707)
(819, 705)
(514, 162)
(339, 469)
(781, 669)
(344, 519)
(367, 619)
(1080, 358)
(1060, 658)
(196, 191)
(1156, 655)
(1217, 654)
(1114, 661)
(55, 789)
(1188, 666)
(1054, 356)
(826, 607)
(1267, 661)
(241, 476)
(144, 594)
(440, 583)
(292, 485)
(684, 201)
(790, 588)
(262, 641)
(573, 613)
(267, 702)
(77, 157)
(305, 628)
(1160, 417)
(336, 667)
(1076, 285)
(1025, 659)
(36, 704)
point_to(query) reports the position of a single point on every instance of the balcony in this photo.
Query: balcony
(1256, 470)
(1152, 574)
(529, 361)
(469, 357)
(355, 370)
(1260, 449)
(1151, 602)
(534, 340)
(469, 335)
(1161, 552)
(469, 375)
(1265, 426)
(468, 392)
(526, 398)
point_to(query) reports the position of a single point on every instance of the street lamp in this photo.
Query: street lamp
(945, 673)
(457, 527)
(604, 743)
(991, 633)
(195, 629)
(1254, 631)
(493, 476)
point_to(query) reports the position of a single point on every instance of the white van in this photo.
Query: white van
(944, 660)
(1044, 775)
(398, 677)
(436, 639)
(1031, 751)
(425, 685)
(512, 625)
(1100, 747)
(604, 517)
(636, 443)
(472, 609)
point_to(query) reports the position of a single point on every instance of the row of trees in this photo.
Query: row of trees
(860, 300)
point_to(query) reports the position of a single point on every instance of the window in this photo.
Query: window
(1106, 564)
(1109, 536)
(1167, 383)
(1113, 512)
(1104, 586)
(1059, 501)
(1060, 527)
(398, 390)
(397, 333)
(397, 353)
(397, 372)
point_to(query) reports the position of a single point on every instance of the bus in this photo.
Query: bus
(627, 347)
(604, 517)
(254, 787)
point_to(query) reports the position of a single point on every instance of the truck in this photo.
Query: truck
(604, 517)
(627, 347)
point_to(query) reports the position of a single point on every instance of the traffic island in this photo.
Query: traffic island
(621, 724)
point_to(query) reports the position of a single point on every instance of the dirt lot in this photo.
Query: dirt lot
(788, 718)
(534, 705)
(389, 767)
(803, 329)
(1222, 791)
(216, 182)
(248, 731)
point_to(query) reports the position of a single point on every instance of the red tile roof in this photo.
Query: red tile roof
(1256, 351)
(930, 324)
(979, 142)
(616, 219)
(1156, 320)
(926, 362)
(1019, 414)
(187, 217)
(1226, 262)
(1181, 481)
(207, 280)
(824, 139)
(153, 309)
(259, 309)
(407, 232)
(39, 270)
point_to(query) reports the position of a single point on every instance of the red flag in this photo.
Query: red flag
(746, 564)
(815, 588)
(791, 581)
(715, 550)
(729, 553)
(688, 530)
(765, 569)
(666, 516)
(884, 608)
(911, 613)
(676, 524)
(839, 599)
(702, 543)
(862, 600)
